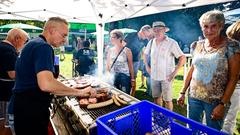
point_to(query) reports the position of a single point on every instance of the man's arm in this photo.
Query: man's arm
(48, 83)
(130, 66)
(182, 60)
(233, 74)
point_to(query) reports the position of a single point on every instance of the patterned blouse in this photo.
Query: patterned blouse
(210, 75)
(121, 64)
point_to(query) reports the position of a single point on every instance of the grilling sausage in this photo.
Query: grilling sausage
(101, 104)
(115, 100)
(120, 100)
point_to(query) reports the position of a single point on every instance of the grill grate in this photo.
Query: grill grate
(95, 113)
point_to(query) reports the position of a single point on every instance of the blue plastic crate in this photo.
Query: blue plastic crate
(146, 117)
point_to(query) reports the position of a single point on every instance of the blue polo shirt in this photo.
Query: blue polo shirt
(35, 57)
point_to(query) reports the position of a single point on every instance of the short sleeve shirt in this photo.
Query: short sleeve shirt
(210, 75)
(163, 57)
(135, 44)
(36, 56)
(8, 56)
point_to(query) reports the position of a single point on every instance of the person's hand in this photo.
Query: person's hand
(132, 93)
(86, 92)
(93, 92)
(218, 112)
(171, 76)
(181, 99)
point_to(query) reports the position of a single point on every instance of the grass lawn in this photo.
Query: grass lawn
(66, 70)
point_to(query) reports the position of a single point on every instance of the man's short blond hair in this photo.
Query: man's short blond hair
(53, 21)
(145, 28)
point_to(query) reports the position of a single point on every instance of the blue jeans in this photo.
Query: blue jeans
(122, 82)
(197, 107)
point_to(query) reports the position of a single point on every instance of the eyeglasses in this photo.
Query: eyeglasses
(26, 41)
(62, 34)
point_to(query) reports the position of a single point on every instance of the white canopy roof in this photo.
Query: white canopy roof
(92, 11)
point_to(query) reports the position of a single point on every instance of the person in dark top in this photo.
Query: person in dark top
(35, 80)
(85, 59)
(9, 49)
(135, 42)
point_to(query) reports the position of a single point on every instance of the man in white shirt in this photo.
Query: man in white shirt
(163, 51)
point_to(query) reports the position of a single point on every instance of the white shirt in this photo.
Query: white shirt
(162, 57)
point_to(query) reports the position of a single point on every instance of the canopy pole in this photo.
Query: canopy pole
(100, 38)
(100, 47)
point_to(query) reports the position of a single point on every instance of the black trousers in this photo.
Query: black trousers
(31, 113)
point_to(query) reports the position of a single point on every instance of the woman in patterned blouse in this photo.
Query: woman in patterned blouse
(213, 74)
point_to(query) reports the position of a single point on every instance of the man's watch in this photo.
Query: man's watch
(222, 103)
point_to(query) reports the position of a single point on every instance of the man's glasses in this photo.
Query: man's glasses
(62, 34)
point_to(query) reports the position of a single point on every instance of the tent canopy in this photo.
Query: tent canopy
(92, 11)
(232, 15)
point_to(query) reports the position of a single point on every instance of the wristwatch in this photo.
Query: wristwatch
(222, 103)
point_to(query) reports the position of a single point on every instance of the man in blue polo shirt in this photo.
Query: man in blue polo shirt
(35, 80)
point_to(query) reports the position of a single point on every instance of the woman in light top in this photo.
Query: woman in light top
(119, 62)
(213, 74)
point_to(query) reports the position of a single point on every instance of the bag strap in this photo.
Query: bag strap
(151, 41)
(116, 57)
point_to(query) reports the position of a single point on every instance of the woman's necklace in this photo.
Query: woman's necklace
(214, 46)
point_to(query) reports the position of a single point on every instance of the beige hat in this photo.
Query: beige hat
(160, 24)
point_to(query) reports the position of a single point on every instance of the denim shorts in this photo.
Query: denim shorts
(197, 107)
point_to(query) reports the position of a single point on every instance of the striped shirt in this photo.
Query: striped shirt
(162, 57)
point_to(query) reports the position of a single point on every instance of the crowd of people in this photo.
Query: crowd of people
(212, 82)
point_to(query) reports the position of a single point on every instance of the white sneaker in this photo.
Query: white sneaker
(9, 121)
(7, 125)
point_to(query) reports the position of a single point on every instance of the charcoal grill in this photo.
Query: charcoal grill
(81, 120)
